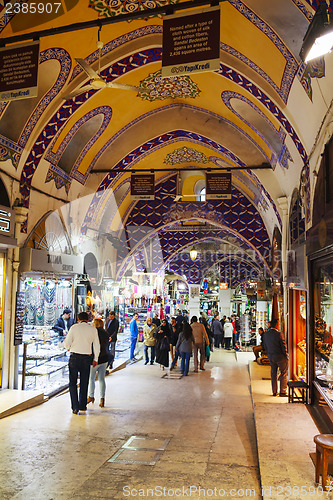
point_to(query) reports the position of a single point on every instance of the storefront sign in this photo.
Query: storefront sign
(6, 221)
(19, 318)
(191, 43)
(218, 186)
(39, 260)
(142, 187)
(296, 264)
(18, 71)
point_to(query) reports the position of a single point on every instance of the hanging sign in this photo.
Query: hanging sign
(7, 220)
(18, 71)
(19, 318)
(218, 186)
(142, 187)
(191, 43)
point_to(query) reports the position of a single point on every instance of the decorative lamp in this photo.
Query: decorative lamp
(193, 253)
(318, 39)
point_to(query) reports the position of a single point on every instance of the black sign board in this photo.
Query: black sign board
(19, 318)
(218, 186)
(191, 43)
(18, 71)
(142, 186)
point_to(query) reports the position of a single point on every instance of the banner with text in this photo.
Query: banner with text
(218, 186)
(191, 43)
(19, 71)
(142, 187)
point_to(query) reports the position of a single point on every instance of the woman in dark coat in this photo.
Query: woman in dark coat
(162, 345)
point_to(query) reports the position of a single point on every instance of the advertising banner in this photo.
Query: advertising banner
(19, 71)
(142, 187)
(218, 186)
(191, 43)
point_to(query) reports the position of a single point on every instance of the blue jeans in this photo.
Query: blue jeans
(79, 364)
(133, 344)
(111, 353)
(152, 353)
(185, 362)
(175, 359)
(100, 369)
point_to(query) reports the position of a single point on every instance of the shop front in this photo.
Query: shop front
(320, 258)
(6, 242)
(47, 287)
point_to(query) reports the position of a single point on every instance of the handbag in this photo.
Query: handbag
(207, 351)
(164, 344)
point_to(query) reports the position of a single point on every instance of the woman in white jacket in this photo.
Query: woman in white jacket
(228, 331)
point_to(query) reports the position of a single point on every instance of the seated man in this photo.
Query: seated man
(63, 323)
(257, 349)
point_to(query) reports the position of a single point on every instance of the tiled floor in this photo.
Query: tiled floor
(208, 419)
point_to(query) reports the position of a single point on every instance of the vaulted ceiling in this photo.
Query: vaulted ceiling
(263, 106)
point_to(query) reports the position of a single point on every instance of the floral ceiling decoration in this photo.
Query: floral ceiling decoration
(314, 69)
(184, 155)
(111, 8)
(159, 88)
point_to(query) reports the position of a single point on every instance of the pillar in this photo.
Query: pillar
(194, 300)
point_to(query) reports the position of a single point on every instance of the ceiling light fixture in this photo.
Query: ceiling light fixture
(193, 253)
(318, 39)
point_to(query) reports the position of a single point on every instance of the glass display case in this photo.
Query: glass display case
(323, 323)
(43, 361)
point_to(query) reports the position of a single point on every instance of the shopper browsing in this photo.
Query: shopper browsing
(276, 348)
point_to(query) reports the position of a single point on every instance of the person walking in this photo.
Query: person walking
(100, 368)
(200, 338)
(149, 341)
(228, 333)
(156, 321)
(217, 331)
(175, 329)
(276, 348)
(79, 341)
(112, 327)
(162, 336)
(134, 331)
(185, 346)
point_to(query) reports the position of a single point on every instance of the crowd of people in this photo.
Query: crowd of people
(92, 347)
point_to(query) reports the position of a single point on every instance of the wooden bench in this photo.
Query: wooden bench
(300, 385)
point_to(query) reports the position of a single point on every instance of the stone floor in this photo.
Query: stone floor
(201, 436)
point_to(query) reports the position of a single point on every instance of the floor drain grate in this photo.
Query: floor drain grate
(140, 450)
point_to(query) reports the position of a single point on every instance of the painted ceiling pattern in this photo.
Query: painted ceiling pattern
(185, 155)
(159, 88)
(242, 115)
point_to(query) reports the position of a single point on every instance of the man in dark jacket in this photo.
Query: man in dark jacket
(64, 323)
(112, 327)
(276, 348)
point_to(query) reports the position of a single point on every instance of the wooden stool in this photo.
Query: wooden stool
(292, 395)
(324, 449)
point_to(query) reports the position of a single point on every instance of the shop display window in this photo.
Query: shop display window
(323, 311)
(298, 333)
(43, 361)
